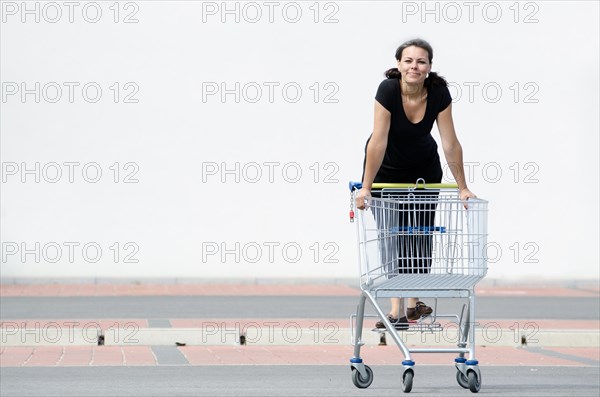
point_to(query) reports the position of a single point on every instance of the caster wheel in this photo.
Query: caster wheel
(359, 381)
(407, 381)
(474, 382)
(462, 380)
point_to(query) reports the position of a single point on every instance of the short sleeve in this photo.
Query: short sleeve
(385, 93)
(445, 98)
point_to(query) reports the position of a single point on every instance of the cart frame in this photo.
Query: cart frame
(448, 275)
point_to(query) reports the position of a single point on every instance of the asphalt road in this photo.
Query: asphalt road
(291, 381)
(172, 307)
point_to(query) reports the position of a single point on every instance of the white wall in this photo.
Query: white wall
(530, 138)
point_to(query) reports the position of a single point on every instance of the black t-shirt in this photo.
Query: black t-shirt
(411, 151)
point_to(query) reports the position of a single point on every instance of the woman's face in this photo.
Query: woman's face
(414, 65)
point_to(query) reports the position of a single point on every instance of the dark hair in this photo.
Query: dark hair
(433, 78)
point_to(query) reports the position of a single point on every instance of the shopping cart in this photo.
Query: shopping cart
(417, 240)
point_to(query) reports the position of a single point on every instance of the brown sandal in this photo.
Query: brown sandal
(420, 310)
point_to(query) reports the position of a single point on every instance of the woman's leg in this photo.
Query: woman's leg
(397, 309)
(386, 221)
(411, 302)
(422, 246)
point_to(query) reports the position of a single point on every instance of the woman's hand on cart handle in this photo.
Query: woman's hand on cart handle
(360, 198)
(465, 195)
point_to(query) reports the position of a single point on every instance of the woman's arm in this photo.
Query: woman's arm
(453, 151)
(375, 152)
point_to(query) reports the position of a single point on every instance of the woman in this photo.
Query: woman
(401, 148)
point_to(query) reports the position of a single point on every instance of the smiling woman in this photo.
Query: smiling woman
(401, 148)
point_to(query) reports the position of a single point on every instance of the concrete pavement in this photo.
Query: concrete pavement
(265, 334)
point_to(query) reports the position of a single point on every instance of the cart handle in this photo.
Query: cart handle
(358, 185)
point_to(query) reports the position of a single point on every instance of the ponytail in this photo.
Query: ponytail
(392, 73)
(433, 79)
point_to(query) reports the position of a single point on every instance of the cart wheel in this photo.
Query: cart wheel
(407, 381)
(359, 381)
(462, 380)
(474, 382)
